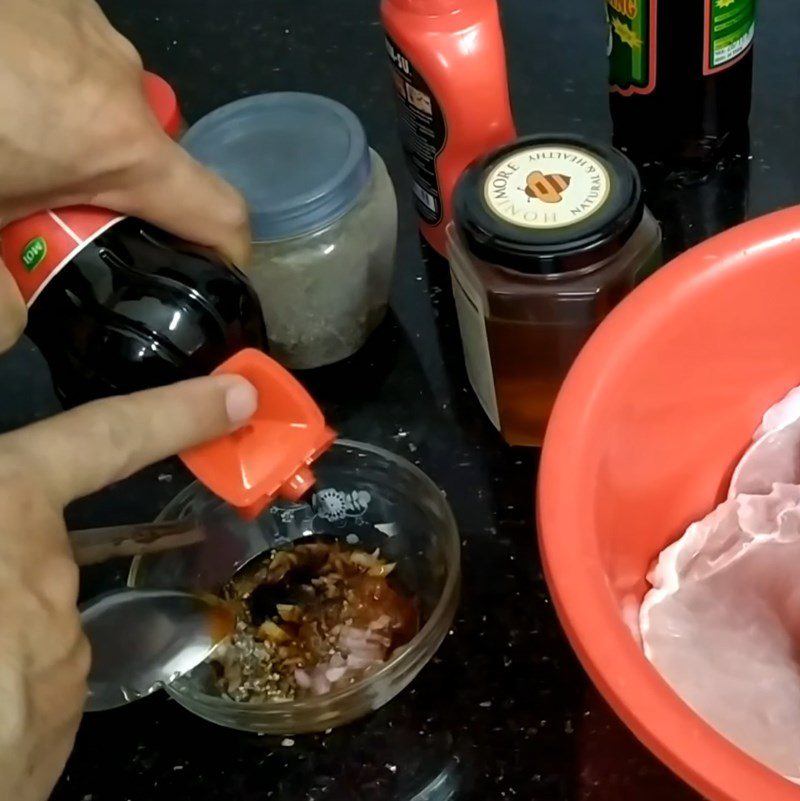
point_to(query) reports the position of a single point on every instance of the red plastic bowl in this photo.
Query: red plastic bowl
(643, 438)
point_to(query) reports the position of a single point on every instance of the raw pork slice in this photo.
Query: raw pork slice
(774, 456)
(722, 622)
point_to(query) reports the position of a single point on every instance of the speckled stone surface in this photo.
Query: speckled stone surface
(504, 711)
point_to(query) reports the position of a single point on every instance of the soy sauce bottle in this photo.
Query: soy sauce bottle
(680, 78)
(116, 305)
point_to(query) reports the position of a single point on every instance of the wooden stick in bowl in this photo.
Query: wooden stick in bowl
(92, 546)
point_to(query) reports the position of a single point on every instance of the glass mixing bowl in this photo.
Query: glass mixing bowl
(365, 496)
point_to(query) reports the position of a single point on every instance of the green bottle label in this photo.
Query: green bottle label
(730, 25)
(631, 46)
(33, 253)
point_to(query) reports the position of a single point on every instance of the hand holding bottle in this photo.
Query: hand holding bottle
(81, 131)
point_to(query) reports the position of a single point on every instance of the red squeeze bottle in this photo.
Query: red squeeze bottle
(449, 69)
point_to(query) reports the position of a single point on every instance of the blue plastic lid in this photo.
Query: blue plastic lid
(300, 160)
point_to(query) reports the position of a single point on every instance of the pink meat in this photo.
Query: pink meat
(722, 622)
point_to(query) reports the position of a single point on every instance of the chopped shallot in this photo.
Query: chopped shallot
(311, 620)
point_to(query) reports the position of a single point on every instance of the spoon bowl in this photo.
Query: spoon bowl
(143, 640)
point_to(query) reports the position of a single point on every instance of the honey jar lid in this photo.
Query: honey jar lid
(548, 204)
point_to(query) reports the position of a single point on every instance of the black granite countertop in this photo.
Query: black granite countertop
(503, 711)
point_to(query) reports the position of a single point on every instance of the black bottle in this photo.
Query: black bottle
(116, 305)
(680, 77)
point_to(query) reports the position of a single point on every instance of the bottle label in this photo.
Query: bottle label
(423, 133)
(729, 29)
(472, 324)
(38, 247)
(632, 45)
(548, 186)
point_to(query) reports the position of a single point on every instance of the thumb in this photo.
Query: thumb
(171, 190)
(81, 451)
(13, 313)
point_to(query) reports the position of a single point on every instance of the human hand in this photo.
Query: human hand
(77, 129)
(44, 657)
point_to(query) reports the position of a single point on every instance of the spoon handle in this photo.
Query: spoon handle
(91, 546)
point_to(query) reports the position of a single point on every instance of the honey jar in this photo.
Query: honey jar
(549, 234)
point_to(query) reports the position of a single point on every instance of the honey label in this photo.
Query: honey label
(632, 45)
(475, 341)
(548, 186)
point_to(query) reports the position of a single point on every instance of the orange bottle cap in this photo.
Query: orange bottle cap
(270, 456)
(164, 103)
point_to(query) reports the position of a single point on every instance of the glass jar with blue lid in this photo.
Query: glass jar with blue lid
(323, 215)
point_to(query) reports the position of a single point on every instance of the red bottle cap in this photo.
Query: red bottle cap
(270, 456)
(164, 103)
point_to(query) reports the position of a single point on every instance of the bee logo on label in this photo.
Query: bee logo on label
(547, 188)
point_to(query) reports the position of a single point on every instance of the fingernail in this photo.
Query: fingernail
(241, 401)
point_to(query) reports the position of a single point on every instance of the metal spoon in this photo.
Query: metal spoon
(144, 639)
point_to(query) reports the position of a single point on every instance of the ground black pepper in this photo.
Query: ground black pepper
(309, 620)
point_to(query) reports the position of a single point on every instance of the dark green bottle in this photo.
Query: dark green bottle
(680, 77)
